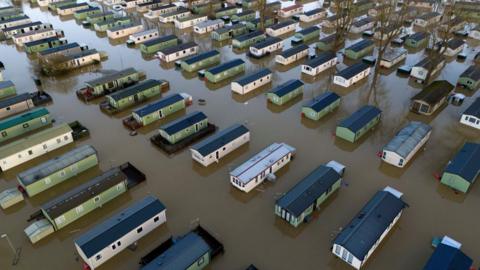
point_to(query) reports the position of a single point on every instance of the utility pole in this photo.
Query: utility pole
(16, 252)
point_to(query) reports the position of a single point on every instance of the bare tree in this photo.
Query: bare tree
(343, 20)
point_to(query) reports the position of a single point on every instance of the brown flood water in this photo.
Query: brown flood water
(245, 223)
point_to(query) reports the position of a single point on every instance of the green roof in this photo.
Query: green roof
(35, 139)
(22, 118)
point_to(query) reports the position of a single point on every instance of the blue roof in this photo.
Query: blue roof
(158, 105)
(313, 11)
(352, 70)
(321, 102)
(309, 30)
(73, 5)
(282, 24)
(253, 76)
(22, 118)
(215, 142)
(14, 100)
(225, 66)
(249, 36)
(294, 50)
(266, 42)
(21, 26)
(360, 118)
(365, 229)
(320, 59)
(183, 122)
(40, 41)
(446, 257)
(87, 10)
(308, 190)
(6, 84)
(474, 109)
(60, 48)
(159, 40)
(177, 48)
(418, 36)
(182, 254)
(287, 87)
(362, 44)
(111, 230)
(134, 89)
(200, 57)
(466, 162)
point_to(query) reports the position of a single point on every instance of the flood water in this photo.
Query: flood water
(245, 223)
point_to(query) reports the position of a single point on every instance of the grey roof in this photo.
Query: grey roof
(455, 43)
(362, 44)
(474, 108)
(428, 62)
(117, 226)
(229, 28)
(179, 10)
(73, 5)
(220, 139)
(253, 76)
(353, 70)
(183, 253)
(209, 23)
(134, 89)
(472, 72)
(294, 50)
(60, 48)
(87, 10)
(124, 26)
(434, 92)
(282, 24)
(308, 190)
(360, 118)
(14, 100)
(56, 164)
(308, 30)
(417, 36)
(466, 162)
(183, 122)
(408, 138)
(328, 39)
(266, 42)
(362, 22)
(84, 192)
(365, 229)
(314, 11)
(111, 77)
(393, 53)
(320, 59)
(429, 15)
(181, 47)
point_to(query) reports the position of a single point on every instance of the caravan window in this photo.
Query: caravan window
(99, 257)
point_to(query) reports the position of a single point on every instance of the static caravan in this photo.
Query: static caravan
(131, 4)
(25, 28)
(469, 79)
(228, 32)
(252, 81)
(207, 7)
(146, 6)
(225, 71)
(16, 104)
(427, 65)
(24, 19)
(255, 24)
(313, 15)
(471, 116)
(225, 12)
(320, 106)
(422, 4)
(462, 171)
(184, 127)
(320, 63)
(26, 122)
(21, 39)
(281, 28)
(170, 17)
(82, 200)
(360, 49)
(431, 98)
(400, 150)
(447, 255)
(186, 22)
(290, 11)
(249, 4)
(54, 5)
(265, 47)
(57, 170)
(154, 13)
(331, 21)
(297, 205)
(174, 53)
(96, 18)
(118, 232)
(261, 166)
(109, 83)
(103, 26)
(352, 74)
(220, 144)
(417, 40)
(124, 30)
(67, 10)
(362, 25)
(454, 47)
(154, 45)
(157, 110)
(84, 13)
(357, 241)
(208, 26)
(292, 55)
(43, 44)
(142, 37)
(285, 92)
(246, 40)
(455, 24)
(200, 61)
(244, 16)
(7, 89)
(132, 95)
(427, 19)
(389, 31)
(475, 33)
(358, 124)
(307, 34)
(393, 56)
(72, 60)
(38, 144)
(326, 43)
(62, 49)
(195, 250)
